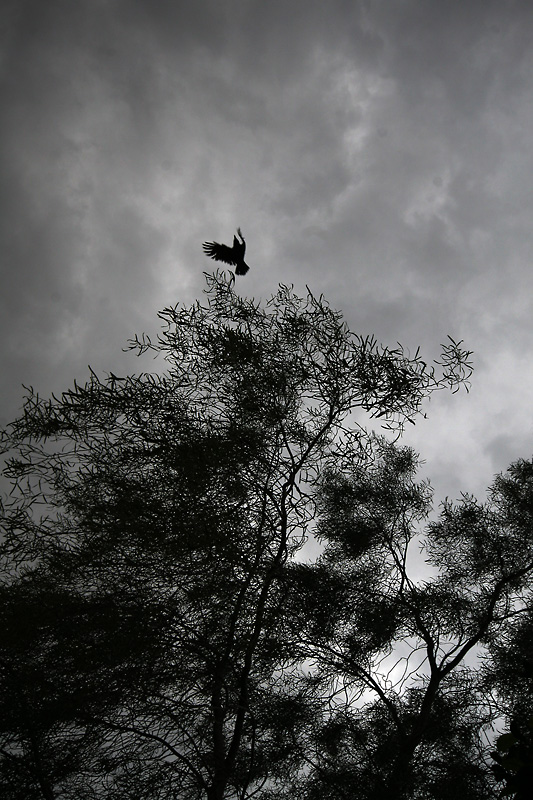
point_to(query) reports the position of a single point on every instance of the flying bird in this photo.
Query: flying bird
(230, 255)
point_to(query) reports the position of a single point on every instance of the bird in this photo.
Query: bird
(230, 255)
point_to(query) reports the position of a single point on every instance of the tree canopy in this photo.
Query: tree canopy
(165, 636)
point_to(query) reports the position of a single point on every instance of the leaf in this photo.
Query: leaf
(505, 742)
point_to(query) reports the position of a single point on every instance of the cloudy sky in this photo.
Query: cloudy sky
(380, 151)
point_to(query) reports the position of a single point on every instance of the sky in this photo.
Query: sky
(377, 151)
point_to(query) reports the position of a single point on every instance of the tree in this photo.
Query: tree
(148, 543)
(397, 658)
(509, 671)
(514, 759)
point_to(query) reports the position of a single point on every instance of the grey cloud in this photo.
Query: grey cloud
(378, 152)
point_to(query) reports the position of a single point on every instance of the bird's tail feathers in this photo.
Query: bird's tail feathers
(242, 268)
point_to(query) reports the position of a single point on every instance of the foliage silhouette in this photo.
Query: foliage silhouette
(173, 646)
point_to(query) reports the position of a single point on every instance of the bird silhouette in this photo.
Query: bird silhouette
(230, 255)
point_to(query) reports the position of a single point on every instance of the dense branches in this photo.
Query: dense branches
(398, 653)
(172, 639)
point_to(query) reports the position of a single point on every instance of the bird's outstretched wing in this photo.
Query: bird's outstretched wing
(220, 252)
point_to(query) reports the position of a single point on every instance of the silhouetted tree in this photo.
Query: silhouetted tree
(395, 655)
(147, 647)
(508, 673)
(514, 759)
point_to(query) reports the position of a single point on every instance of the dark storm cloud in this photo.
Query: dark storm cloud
(379, 152)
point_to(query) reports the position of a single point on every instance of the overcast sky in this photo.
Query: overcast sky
(380, 151)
